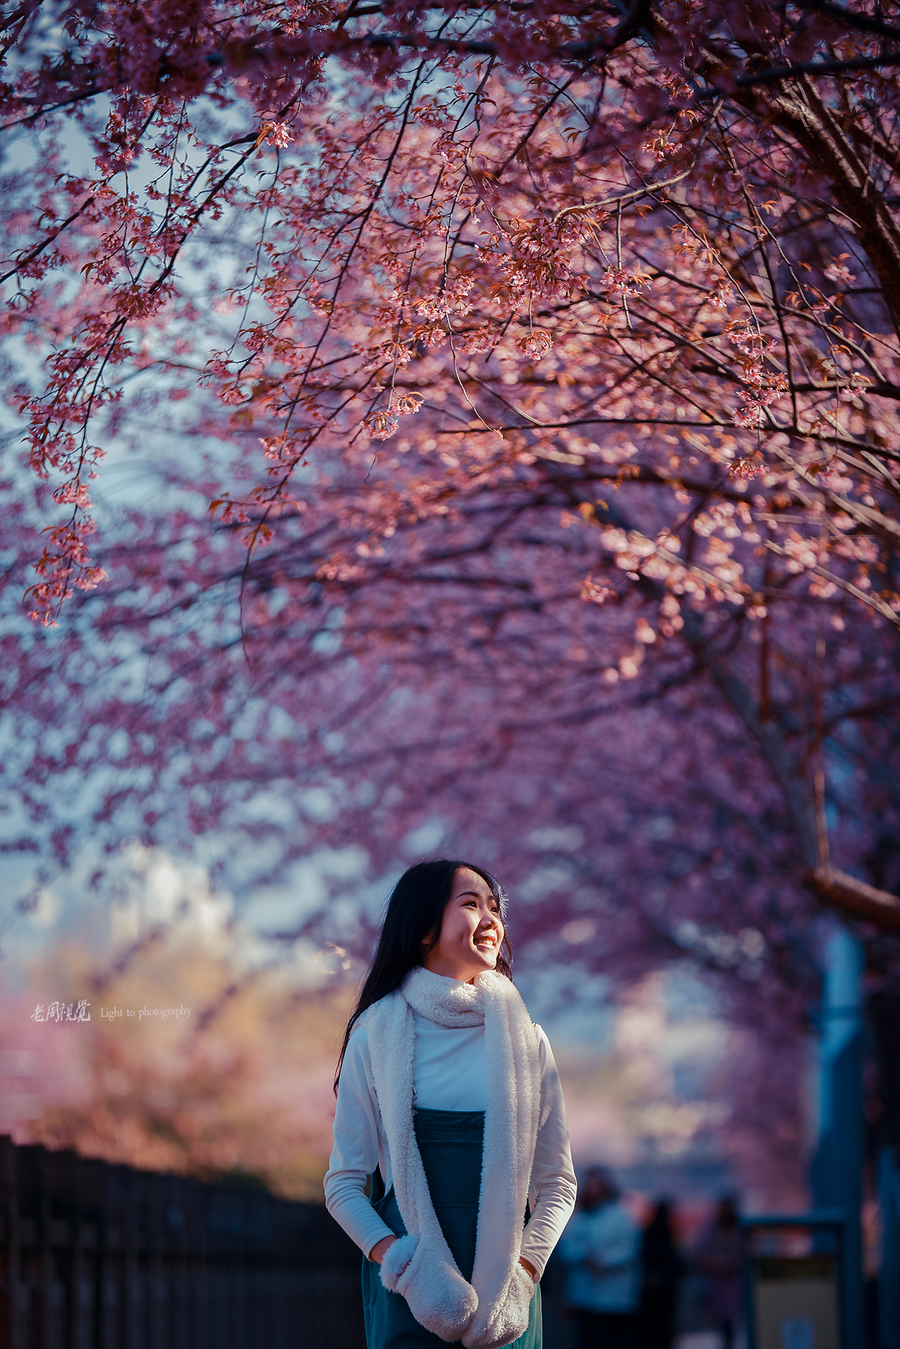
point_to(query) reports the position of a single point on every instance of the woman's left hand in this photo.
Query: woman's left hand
(528, 1268)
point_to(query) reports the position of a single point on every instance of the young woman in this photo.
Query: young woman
(449, 1100)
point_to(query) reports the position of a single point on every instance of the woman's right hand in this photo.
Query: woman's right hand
(379, 1250)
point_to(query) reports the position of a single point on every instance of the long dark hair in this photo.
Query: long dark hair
(414, 916)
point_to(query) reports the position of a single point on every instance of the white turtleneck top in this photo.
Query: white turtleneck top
(449, 1074)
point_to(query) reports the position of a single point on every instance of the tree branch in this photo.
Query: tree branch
(855, 898)
(862, 22)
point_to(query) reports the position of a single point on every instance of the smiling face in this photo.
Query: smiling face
(471, 930)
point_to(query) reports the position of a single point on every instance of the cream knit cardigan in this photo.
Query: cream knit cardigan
(493, 1309)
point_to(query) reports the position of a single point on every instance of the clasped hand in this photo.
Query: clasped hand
(380, 1249)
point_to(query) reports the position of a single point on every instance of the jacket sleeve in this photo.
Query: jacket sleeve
(552, 1176)
(354, 1156)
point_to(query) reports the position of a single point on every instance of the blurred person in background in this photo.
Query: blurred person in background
(661, 1268)
(601, 1250)
(720, 1257)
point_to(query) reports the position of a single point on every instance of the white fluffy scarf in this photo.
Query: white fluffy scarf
(493, 1309)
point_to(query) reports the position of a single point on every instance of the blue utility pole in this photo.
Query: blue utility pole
(838, 1163)
(883, 1018)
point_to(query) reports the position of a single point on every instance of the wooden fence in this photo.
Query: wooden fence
(97, 1256)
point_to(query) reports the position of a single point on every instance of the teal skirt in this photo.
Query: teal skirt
(450, 1144)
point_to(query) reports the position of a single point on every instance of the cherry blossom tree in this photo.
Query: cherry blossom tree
(539, 368)
(667, 788)
(464, 698)
(670, 229)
